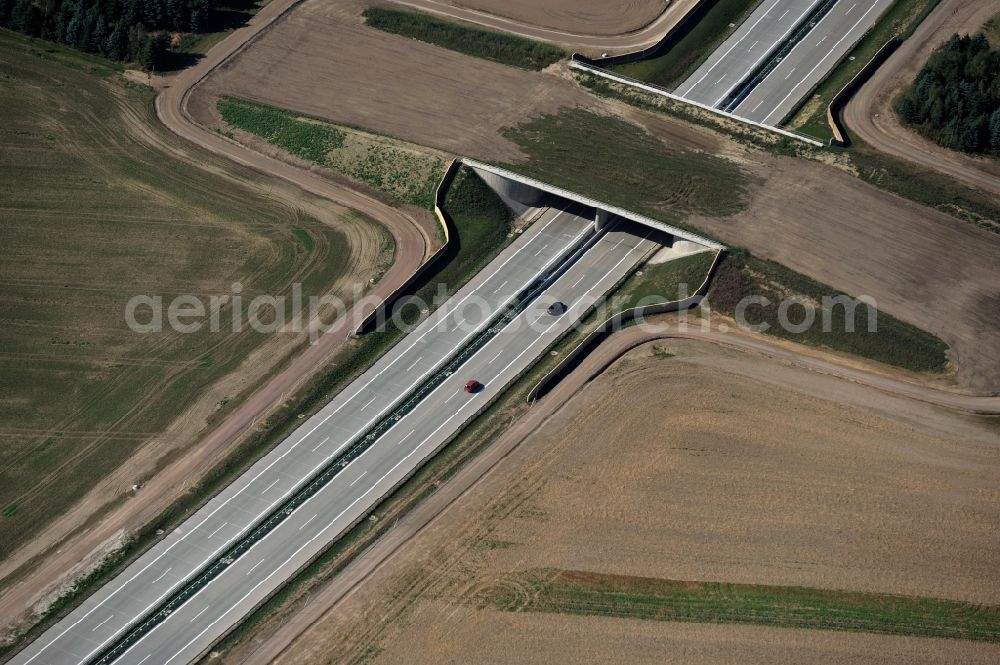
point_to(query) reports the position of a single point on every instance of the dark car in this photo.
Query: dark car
(557, 308)
(473, 387)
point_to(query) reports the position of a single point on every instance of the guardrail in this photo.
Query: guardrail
(378, 314)
(839, 101)
(615, 323)
(656, 90)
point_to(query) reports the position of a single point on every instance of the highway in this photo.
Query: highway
(811, 60)
(211, 531)
(754, 41)
(194, 627)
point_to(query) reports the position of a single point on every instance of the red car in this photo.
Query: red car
(473, 386)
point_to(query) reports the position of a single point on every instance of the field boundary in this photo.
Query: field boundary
(573, 358)
(581, 65)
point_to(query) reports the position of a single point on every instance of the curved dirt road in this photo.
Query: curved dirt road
(630, 41)
(272, 646)
(870, 117)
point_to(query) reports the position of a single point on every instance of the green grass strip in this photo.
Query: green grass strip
(594, 594)
(684, 52)
(495, 46)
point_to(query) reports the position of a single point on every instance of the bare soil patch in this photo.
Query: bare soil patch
(702, 473)
(349, 73)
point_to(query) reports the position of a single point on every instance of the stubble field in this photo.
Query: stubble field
(95, 210)
(706, 471)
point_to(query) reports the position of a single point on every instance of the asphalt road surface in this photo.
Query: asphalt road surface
(754, 41)
(107, 614)
(193, 628)
(811, 60)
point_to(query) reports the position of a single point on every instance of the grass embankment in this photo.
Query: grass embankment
(899, 21)
(94, 212)
(617, 162)
(684, 51)
(893, 343)
(495, 46)
(405, 172)
(595, 594)
(927, 187)
(664, 282)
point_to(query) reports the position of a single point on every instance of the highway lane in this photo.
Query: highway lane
(213, 529)
(194, 627)
(811, 60)
(754, 41)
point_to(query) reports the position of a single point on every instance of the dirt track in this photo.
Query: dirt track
(870, 116)
(792, 367)
(591, 25)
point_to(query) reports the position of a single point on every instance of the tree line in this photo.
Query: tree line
(123, 30)
(955, 99)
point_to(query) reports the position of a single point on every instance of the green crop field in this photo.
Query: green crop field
(595, 594)
(496, 46)
(93, 211)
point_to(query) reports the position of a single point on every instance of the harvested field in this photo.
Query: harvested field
(712, 465)
(97, 208)
(587, 17)
(387, 83)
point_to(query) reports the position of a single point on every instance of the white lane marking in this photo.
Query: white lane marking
(291, 449)
(370, 402)
(224, 524)
(306, 523)
(721, 80)
(848, 12)
(578, 301)
(822, 40)
(788, 31)
(787, 77)
(758, 105)
(195, 617)
(497, 290)
(728, 51)
(268, 488)
(103, 622)
(406, 437)
(320, 444)
(162, 575)
(144, 659)
(254, 567)
(414, 363)
(755, 45)
(360, 498)
(499, 353)
(820, 63)
(363, 474)
(457, 393)
(579, 280)
(784, 15)
(543, 248)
